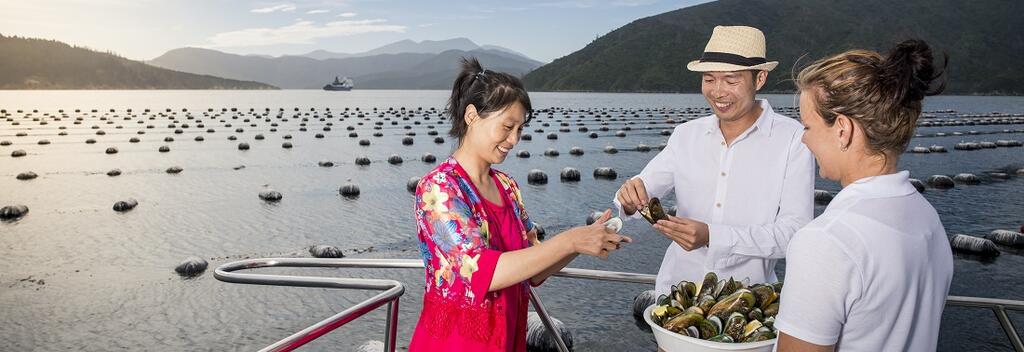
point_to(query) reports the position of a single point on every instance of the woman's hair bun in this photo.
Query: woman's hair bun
(910, 73)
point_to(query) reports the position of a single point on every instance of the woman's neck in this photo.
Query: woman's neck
(477, 169)
(868, 166)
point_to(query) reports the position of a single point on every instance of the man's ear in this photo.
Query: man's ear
(761, 79)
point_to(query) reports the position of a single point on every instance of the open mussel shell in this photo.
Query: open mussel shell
(683, 321)
(762, 334)
(614, 224)
(707, 287)
(764, 295)
(710, 327)
(705, 303)
(734, 326)
(653, 211)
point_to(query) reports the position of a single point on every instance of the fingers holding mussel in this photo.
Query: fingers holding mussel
(726, 311)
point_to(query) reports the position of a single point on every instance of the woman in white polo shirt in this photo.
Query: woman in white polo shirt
(873, 271)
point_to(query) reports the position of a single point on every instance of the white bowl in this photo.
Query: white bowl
(669, 341)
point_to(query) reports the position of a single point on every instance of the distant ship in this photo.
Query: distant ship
(345, 84)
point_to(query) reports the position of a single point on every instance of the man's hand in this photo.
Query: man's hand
(689, 234)
(632, 195)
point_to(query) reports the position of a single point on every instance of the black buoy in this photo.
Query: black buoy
(576, 151)
(552, 135)
(27, 175)
(349, 190)
(438, 140)
(539, 340)
(326, 164)
(940, 181)
(125, 205)
(641, 302)
(286, 145)
(643, 148)
(569, 174)
(968, 179)
(551, 152)
(822, 197)
(605, 173)
(362, 161)
(110, 150)
(395, 159)
(412, 184)
(325, 251)
(174, 169)
(523, 154)
(526, 137)
(270, 196)
(428, 158)
(917, 185)
(164, 149)
(611, 149)
(13, 212)
(974, 245)
(364, 142)
(1007, 238)
(243, 146)
(536, 177)
(407, 140)
(191, 266)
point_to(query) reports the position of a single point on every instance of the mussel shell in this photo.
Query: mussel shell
(694, 309)
(663, 300)
(705, 303)
(614, 224)
(653, 211)
(708, 285)
(769, 323)
(680, 322)
(740, 301)
(730, 287)
(734, 326)
(763, 334)
(693, 332)
(722, 338)
(663, 313)
(772, 310)
(683, 294)
(755, 314)
(709, 327)
(764, 295)
(777, 286)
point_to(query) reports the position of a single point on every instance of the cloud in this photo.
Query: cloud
(301, 32)
(275, 8)
(347, 14)
(313, 12)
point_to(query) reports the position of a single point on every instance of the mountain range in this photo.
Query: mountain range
(983, 39)
(401, 65)
(46, 64)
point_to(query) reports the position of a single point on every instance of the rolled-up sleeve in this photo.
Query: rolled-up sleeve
(451, 242)
(796, 209)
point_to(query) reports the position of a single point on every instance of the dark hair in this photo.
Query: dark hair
(487, 90)
(882, 94)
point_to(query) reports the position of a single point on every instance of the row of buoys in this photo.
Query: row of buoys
(927, 150)
(986, 246)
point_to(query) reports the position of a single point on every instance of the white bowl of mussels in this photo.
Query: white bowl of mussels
(690, 319)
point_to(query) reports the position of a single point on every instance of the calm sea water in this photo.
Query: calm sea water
(78, 276)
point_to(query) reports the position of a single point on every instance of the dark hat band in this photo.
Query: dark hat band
(727, 58)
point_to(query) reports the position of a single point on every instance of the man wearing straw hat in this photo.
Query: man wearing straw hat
(743, 180)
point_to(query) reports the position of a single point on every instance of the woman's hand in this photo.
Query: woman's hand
(597, 240)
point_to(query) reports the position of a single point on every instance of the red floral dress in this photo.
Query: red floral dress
(460, 248)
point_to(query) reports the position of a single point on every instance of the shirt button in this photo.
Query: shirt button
(723, 142)
(723, 173)
(718, 205)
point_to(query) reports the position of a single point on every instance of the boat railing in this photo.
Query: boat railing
(392, 291)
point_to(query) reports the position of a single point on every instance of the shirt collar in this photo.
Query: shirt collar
(764, 122)
(891, 185)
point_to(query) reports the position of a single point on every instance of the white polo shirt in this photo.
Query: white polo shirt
(754, 195)
(871, 273)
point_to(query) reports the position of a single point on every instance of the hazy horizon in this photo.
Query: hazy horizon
(145, 29)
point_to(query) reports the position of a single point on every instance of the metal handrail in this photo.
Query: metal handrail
(393, 290)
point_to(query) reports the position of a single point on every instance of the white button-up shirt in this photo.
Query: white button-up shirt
(754, 194)
(871, 273)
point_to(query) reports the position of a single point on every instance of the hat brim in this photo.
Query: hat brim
(698, 66)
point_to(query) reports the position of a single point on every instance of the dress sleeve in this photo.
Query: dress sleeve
(453, 247)
(821, 285)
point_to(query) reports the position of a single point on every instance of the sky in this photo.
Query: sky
(145, 29)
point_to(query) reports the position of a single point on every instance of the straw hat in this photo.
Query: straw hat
(733, 48)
